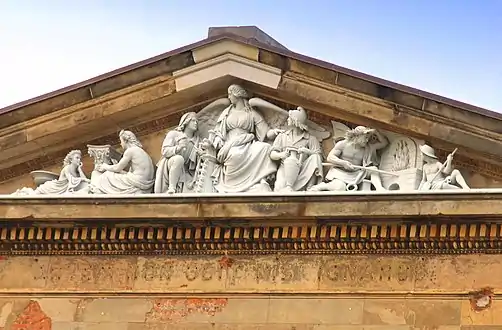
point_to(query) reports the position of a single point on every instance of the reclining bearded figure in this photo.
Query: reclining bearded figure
(353, 160)
(239, 131)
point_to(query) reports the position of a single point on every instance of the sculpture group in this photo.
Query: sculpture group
(240, 144)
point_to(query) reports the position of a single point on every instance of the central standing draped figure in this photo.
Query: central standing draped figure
(243, 157)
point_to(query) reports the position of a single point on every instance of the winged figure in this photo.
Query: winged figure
(239, 131)
(273, 115)
(339, 131)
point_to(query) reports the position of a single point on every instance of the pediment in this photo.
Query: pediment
(149, 99)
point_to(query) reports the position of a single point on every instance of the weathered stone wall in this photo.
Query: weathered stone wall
(247, 292)
(245, 313)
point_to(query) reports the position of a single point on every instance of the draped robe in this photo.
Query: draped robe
(190, 158)
(310, 167)
(244, 159)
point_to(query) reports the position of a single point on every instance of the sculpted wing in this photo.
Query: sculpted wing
(208, 116)
(318, 131)
(276, 117)
(339, 131)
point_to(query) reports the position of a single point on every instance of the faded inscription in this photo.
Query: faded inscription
(271, 273)
(364, 272)
(103, 273)
(156, 270)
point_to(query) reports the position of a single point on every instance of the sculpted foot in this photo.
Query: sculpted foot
(286, 189)
(171, 190)
(316, 187)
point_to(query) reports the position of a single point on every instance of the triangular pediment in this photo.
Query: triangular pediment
(149, 98)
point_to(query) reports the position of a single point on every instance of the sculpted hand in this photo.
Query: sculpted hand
(182, 145)
(205, 144)
(273, 132)
(102, 168)
(304, 150)
(449, 158)
(277, 131)
(348, 165)
(199, 151)
(283, 155)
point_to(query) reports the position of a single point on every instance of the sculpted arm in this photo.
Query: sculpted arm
(81, 172)
(64, 175)
(449, 165)
(335, 153)
(314, 146)
(383, 141)
(169, 146)
(278, 152)
(122, 164)
(262, 127)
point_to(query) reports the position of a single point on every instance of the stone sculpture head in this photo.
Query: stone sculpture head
(298, 118)
(359, 136)
(128, 139)
(188, 121)
(428, 153)
(74, 158)
(237, 93)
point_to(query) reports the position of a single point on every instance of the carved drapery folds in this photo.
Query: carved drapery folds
(241, 144)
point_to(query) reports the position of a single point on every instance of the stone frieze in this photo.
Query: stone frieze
(241, 144)
(274, 273)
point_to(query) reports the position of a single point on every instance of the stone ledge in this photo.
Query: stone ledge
(294, 206)
(433, 223)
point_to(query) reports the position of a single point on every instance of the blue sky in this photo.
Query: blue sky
(448, 47)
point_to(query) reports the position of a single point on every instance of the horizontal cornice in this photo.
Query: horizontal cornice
(435, 223)
(301, 206)
(434, 236)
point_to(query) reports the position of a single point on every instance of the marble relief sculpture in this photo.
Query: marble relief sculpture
(242, 144)
(437, 175)
(240, 130)
(299, 155)
(133, 174)
(72, 179)
(354, 159)
(176, 170)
